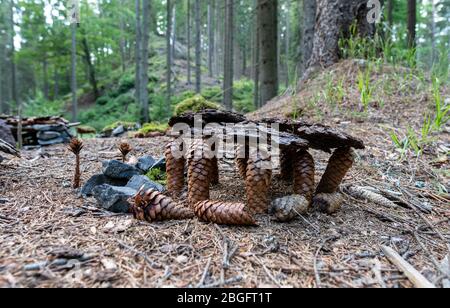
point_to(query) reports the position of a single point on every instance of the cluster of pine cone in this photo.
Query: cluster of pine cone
(202, 172)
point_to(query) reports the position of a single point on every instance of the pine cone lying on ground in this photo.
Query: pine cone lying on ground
(287, 208)
(328, 203)
(257, 184)
(304, 175)
(153, 206)
(199, 174)
(287, 159)
(175, 170)
(224, 213)
(340, 162)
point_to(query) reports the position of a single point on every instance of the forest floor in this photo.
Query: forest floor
(51, 238)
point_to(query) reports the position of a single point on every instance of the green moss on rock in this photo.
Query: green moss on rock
(195, 104)
(158, 176)
(153, 127)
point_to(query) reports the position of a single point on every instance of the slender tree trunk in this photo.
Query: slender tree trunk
(412, 22)
(211, 43)
(198, 48)
(56, 83)
(145, 117)
(90, 66)
(256, 54)
(268, 30)
(307, 41)
(138, 53)
(169, 50)
(46, 89)
(390, 14)
(174, 29)
(122, 39)
(218, 39)
(228, 56)
(73, 78)
(189, 29)
(12, 55)
(287, 39)
(433, 33)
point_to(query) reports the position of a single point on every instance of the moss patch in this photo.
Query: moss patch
(157, 176)
(194, 104)
(113, 126)
(153, 127)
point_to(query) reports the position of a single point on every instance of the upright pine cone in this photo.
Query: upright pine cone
(287, 159)
(241, 160)
(214, 171)
(75, 146)
(287, 208)
(125, 149)
(328, 203)
(257, 185)
(304, 175)
(175, 170)
(224, 213)
(153, 206)
(340, 162)
(199, 174)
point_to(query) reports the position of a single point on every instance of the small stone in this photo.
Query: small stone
(145, 163)
(6, 134)
(139, 181)
(97, 180)
(182, 259)
(49, 127)
(120, 130)
(58, 140)
(48, 135)
(114, 199)
(118, 170)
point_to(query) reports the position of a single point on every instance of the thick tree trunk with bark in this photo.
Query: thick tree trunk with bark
(89, 65)
(309, 22)
(333, 21)
(412, 22)
(268, 31)
(228, 55)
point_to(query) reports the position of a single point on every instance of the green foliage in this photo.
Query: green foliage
(39, 106)
(158, 176)
(334, 92)
(441, 110)
(113, 126)
(153, 127)
(194, 104)
(243, 96)
(365, 88)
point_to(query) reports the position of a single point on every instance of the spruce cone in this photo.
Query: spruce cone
(125, 149)
(199, 174)
(257, 185)
(215, 171)
(75, 146)
(241, 164)
(328, 203)
(153, 206)
(304, 175)
(224, 213)
(287, 159)
(340, 162)
(287, 208)
(175, 171)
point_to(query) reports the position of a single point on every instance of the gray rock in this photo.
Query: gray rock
(6, 134)
(97, 180)
(48, 135)
(145, 163)
(51, 141)
(114, 198)
(160, 164)
(49, 127)
(138, 181)
(118, 131)
(118, 170)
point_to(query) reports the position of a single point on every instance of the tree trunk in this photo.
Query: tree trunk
(90, 65)
(211, 45)
(46, 89)
(433, 33)
(198, 48)
(307, 41)
(287, 39)
(228, 55)
(73, 78)
(268, 31)
(169, 50)
(12, 55)
(256, 55)
(122, 38)
(390, 14)
(56, 83)
(137, 55)
(333, 21)
(174, 29)
(412, 22)
(189, 29)
(145, 117)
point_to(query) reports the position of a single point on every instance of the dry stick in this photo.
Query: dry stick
(316, 271)
(268, 273)
(205, 273)
(413, 275)
(431, 255)
(139, 253)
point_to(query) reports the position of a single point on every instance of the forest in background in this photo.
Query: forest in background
(125, 62)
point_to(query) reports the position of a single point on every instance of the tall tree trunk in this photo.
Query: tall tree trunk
(218, 38)
(390, 14)
(174, 29)
(412, 22)
(433, 33)
(268, 31)
(198, 48)
(90, 66)
(334, 18)
(12, 55)
(73, 76)
(228, 56)
(46, 88)
(211, 43)
(256, 55)
(138, 52)
(287, 39)
(122, 39)
(169, 50)
(307, 41)
(145, 117)
(55, 83)
(189, 29)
